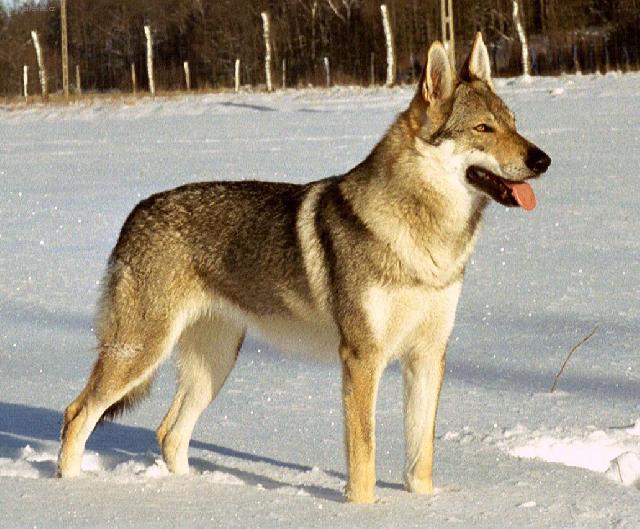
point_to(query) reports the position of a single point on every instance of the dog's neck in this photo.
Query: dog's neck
(408, 198)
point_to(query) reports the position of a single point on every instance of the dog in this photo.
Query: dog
(366, 267)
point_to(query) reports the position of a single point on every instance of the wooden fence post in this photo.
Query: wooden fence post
(134, 83)
(267, 47)
(576, 62)
(187, 75)
(41, 68)
(388, 35)
(373, 69)
(284, 74)
(237, 76)
(78, 83)
(25, 82)
(327, 71)
(152, 84)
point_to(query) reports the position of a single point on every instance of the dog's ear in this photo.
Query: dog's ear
(437, 78)
(477, 65)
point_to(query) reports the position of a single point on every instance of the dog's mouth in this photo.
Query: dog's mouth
(507, 192)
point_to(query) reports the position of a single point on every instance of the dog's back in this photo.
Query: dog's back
(222, 235)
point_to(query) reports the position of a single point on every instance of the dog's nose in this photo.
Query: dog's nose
(537, 160)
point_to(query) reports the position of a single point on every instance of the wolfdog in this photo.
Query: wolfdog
(366, 267)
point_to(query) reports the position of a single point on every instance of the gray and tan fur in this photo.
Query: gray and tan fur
(366, 267)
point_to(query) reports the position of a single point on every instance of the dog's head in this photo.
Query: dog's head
(464, 116)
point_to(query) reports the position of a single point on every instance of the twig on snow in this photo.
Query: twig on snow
(573, 349)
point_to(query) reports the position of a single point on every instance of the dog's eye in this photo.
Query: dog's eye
(483, 127)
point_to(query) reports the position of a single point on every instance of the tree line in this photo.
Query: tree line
(106, 37)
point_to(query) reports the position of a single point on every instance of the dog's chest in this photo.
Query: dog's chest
(402, 318)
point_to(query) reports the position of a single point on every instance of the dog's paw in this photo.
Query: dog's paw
(360, 497)
(68, 466)
(362, 500)
(67, 472)
(418, 486)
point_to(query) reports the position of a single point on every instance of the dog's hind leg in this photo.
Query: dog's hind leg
(119, 372)
(207, 351)
(137, 330)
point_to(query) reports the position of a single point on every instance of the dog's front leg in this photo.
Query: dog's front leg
(423, 373)
(360, 378)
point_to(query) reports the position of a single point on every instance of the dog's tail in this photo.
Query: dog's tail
(128, 402)
(117, 327)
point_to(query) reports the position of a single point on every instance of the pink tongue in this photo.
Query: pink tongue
(524, 195)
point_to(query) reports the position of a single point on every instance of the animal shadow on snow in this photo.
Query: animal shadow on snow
(28, 314)
(259, 108)
(22, 425)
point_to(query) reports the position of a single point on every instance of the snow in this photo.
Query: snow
(268, 452)
(613, 452)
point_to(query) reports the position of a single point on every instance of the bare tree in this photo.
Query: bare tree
(391, 56)
(342, 8)
(267, 47)
(523, 39)
(41, 67)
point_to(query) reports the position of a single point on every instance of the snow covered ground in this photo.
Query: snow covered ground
(269, 452)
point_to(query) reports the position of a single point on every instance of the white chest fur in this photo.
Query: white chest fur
(401, 319)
